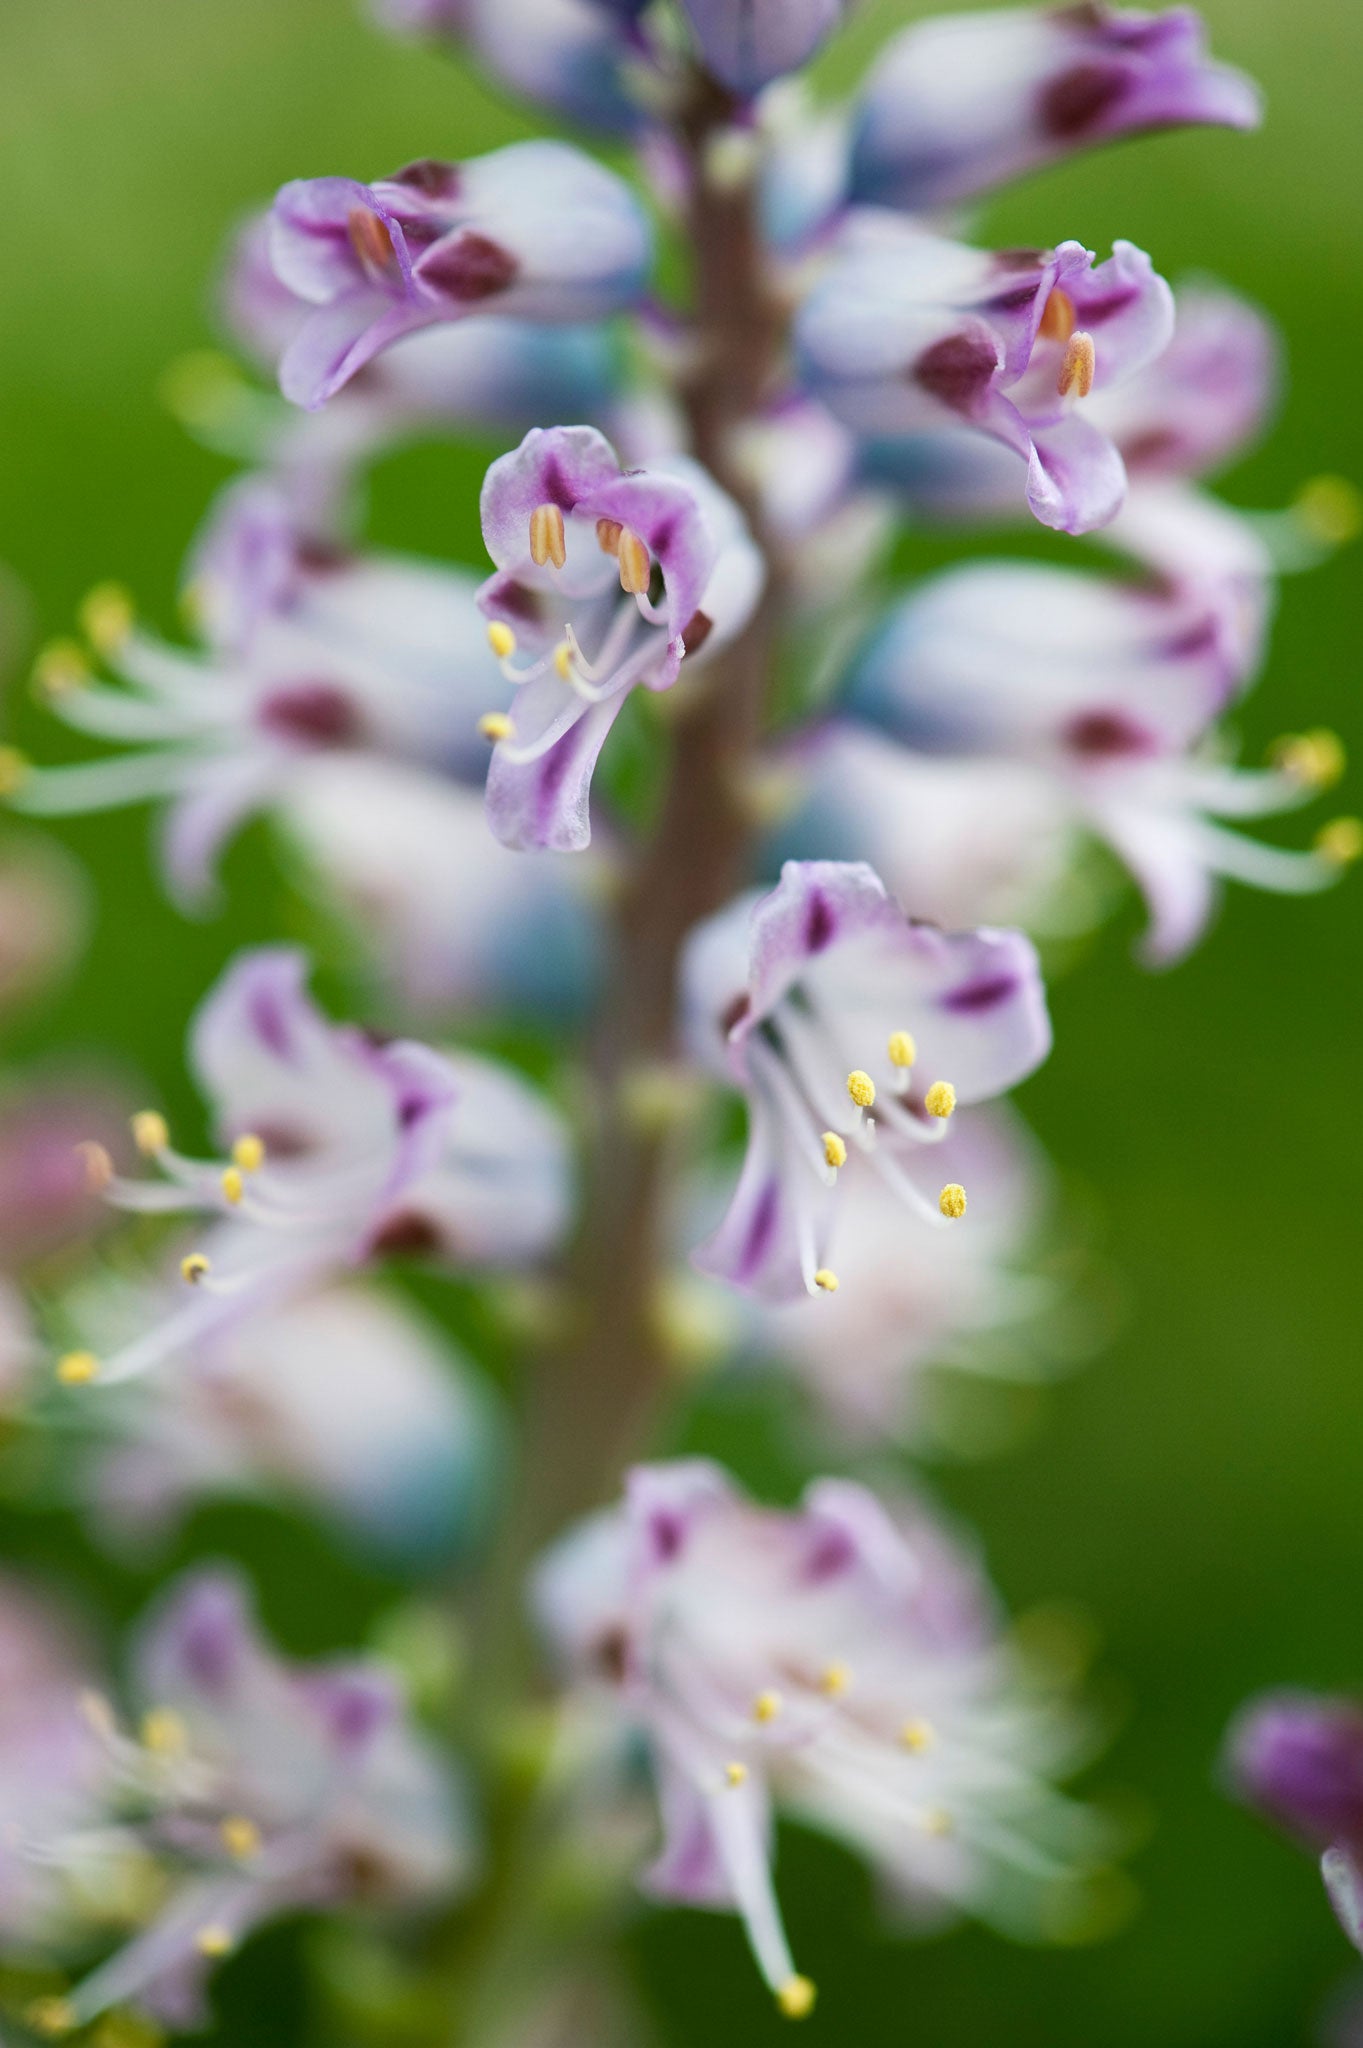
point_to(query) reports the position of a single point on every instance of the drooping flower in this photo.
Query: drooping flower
(607, 579)
(748, 43)
(846, 1025)
(830, 1662)
(576, 56)
(537, 231)
(1298, 1758)
(907, 334)
(963, 102)
(340, 1151)
(1107, 693)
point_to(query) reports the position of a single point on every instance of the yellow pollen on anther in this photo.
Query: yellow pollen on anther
(501, 640)
(735, 1774)
(937, 1822)
(1314, 758)
(213, 1941)
(901, 1048)
(826, 1280)
(77, 1368)
(240, 1836)
(106, 617)
(495, 725)
(193, 1267)
(1057, 317)
(940, 1099)
(248, 1152)
(150, 1133)
(1331, 510)
(796, 1998)
(917, 1736)
(13, 770)
(98, 1166)
(834, 1150)
(766, 1706)
(835, 1680)
(1341, 841)
(51, 2016)
(232, 1184)
(636, 563)
(861, 1088)
(60, 666)
(548, 540)
(1077, 366)
(951, 1201)
(163, 1732)
(563, 661)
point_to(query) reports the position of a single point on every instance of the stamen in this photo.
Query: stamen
(951, 1201)
(213, 1941)
(249, 1152)
(563, 661)
(150, 1131)
(240, 1836)
(77, 1368)
(1057, 316)
(13, 770)
(61, 666)
(106, 617)
(826, 1279)
(1315, 759)
(834, 1150)
(796, 1998)
(767, 1706)
(1341, 841)
(1077, 366)
(50, 2016)
(636, 563)
(917, 1736)
(735, 1774)
(861, 1088)
(902, 1049)
(1331, 510)
(835, 1680)
(936, 1821)
(99, 1167)
(548, 541)
(501, 640)
(495, 725)
(232, 1184)
(940, 1099)
(193, 1268)
(369, 238)
(163, 1732)
(608, 532)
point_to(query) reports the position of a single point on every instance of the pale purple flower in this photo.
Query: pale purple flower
(746, 44)
(847, 1027)
(46, 1201)
(575, 56)
(907, 334)
(1298, 1758)
(831, 1662)
(1107, 692)
(341, 1151)
(606, 579)
(537, 231)
(963, 102)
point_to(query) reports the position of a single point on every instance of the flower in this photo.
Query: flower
(607, 578)
(832, 1661)
(963, 102)
(575, 56)
(1298, 1758)
(48, 1203)
(907, 333)
(1106, 692)
(341, 1151)
(538, 231)
(748, 43)
(822, 1002)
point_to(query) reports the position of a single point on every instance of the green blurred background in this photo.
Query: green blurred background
(1198, 1489)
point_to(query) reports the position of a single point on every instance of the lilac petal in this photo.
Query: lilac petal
(310, 243)
(562, 466)
(198, 824)
(758, 1246)
(1204, 398)
(1076, 480)
(544, 802)
(338, 339)
(1179, 889)
(203, 1641)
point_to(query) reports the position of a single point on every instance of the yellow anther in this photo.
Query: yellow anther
(106, 617)
(766, 1706)
(548, 541)
(826, 1280)
(917, 1736)
(77, 1368)
(60, 666)
(51, 2016)
(563, 661)
(636, 563)
(214, 1941)
(13, 770)
(495, 725)
(835, 1680)
(901, 1048)
(1341, 841)
(1057, 317)
(834, 1150)
(608, 532)
(1077, 366)
(150, 1132)
(936, 1821)
(163, 1732)
(370, 238)
(501, 639)
(240, 1836)
(940, 1099)
(796, 1998)
(1314, 758)
(248, 1152)
(951, 1201)
(98, 1166)
(735, 1774)
(193, 1267)
(1331, 510)
(232, 1184)
(861, 1088)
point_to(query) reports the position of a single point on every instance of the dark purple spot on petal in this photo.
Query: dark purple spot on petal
(761, 1230)
(510, 599)
(312, 714)
(406, 1235)
(429, 177)
(208, 1647)
(987, 993)
(1158, 446)
(734, 1012)
(1013, 301)
(666, 1534)
(1093, 312)
(696, 632)
(269, 1019)
(958, 369)
(1106, 736)
(820, 923)
(468, 268)
(1201, 638)
(831, 1553)
(1077, 100)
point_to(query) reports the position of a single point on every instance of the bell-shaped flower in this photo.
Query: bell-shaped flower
(832, 1663)
(537, 231)
(1107, 692)
(339, 1151)
(267, 1787)
(963, 102)
(1298, 1758)
(846, 1026)
(606, 578)
(746, 44)
(579, 57)
(907, 334)
(308, 655)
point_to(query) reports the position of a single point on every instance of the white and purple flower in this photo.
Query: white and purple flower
(577, 56)
(1298, 1758)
